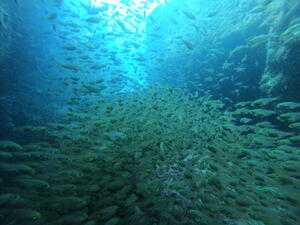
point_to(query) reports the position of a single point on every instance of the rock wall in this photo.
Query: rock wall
(5, 29)
(234, 50)
(281, 75)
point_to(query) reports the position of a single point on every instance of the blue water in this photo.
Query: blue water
(150, 112)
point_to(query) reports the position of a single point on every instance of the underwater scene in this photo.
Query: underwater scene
(149, 112)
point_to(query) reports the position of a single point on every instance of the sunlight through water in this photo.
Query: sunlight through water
(146, 6)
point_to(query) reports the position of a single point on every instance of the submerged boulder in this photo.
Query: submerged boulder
(281, 76)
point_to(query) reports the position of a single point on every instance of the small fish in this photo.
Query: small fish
(97, 67)
(288, 105)
(188, 44)
(17, 3)
(188, 15)
(245, 120)
(262, 101)
(84, 57)
(261, 39)
(93, 20)
(7, 198)
(52, 16)
(291, 117)
(121, 24)
(3, 16)
(93, 89)
(212, 13)
(295, 125)
(71, 67)
(262, 112)
(139, 59)
(258, 9)
(10, 145)
(173, 21)
(27, 214)
(88, 45)
(267, 2)
(69, 47)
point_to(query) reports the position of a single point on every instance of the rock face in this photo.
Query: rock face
(5, 29)
(281, 76)
(237, 53)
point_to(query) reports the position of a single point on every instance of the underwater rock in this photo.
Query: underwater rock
(281, 73)
(7, 33)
